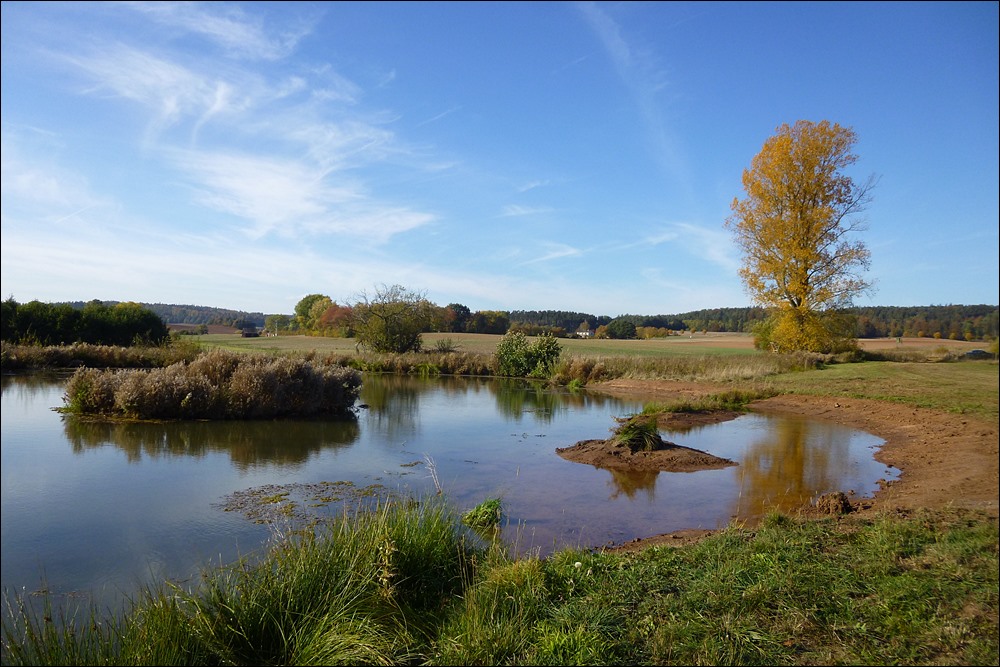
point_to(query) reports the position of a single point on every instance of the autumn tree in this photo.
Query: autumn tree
(304, 315)
(794, 228)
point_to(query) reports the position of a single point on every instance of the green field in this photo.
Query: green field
(697, 344)
(730, 359)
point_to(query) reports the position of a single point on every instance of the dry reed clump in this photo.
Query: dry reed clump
(217, 385)
(582, 370)
(92, 391)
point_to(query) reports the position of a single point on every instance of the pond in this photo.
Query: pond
(98, 510)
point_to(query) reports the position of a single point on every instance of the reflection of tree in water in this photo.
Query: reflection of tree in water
(393, 403)
(516, 396)
(796, 462)
(631, 481)
(28, 385)
(248, 443)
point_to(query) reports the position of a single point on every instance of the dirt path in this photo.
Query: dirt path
(946, 460)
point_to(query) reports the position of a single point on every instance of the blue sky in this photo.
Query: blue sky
(505, 156)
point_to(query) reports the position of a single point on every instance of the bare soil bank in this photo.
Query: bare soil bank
(946, 460)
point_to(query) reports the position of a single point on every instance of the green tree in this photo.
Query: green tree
(391, 320)
(456, 317)
(276, 323)
(303, 311)
(794, 228)
(316, 310)
(488, 321)
(621, 328)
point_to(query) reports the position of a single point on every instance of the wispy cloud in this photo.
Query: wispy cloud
(515, 210)
(531, 185)
(555, 251)
(303, 143)
(227, 26)
(439, 116)
(713, 245)
(290, 198)
(171, 92)
(645, 79)
(35, 187)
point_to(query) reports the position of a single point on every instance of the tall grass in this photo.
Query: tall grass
(719, 368)
(366, 589)
(638, 433)
(405, 584)
(731, 400)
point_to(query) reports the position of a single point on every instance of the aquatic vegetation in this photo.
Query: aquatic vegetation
(486, 514)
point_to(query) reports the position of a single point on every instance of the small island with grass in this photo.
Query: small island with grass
(637, 445)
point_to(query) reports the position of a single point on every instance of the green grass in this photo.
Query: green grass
(638, 433)
(486, 514)
(966, 387)
(405, 585)
(731, 400)
(486, 343)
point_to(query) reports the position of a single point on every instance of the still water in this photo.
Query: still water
(99, 510)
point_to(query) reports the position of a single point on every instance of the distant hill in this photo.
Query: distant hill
(187, 314)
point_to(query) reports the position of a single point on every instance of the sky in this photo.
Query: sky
(500, 155)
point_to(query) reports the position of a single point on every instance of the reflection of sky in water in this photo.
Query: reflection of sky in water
(109, 505)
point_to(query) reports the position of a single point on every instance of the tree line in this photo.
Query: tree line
(37, 323)
(319, 315)
(120, 323)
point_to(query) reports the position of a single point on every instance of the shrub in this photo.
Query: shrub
(515, 356)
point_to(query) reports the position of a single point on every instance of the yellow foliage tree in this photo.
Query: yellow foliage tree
(794, 228)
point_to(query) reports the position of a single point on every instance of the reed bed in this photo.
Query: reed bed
(32, 357)
(216, 385)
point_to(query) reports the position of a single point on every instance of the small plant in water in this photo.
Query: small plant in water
(486, 514)
(639, 433)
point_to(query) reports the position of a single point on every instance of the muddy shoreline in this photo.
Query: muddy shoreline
(946, 460)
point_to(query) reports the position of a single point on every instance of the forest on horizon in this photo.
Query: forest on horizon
(969, 322)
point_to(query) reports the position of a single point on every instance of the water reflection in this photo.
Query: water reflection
(791, 464)
(629, 483)
(99, 502)
(392, 403)
(248, 444)
(395, 399)
(28, 386)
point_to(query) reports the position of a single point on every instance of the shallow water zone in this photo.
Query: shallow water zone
(99, 509)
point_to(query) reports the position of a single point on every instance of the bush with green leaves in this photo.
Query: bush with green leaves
(516, 356)
(392, 320)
